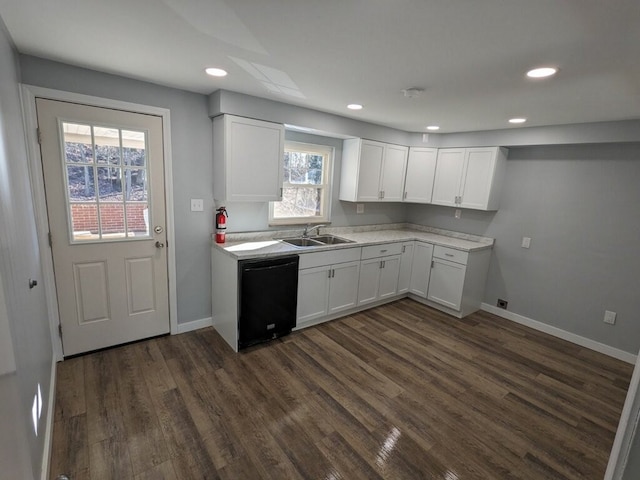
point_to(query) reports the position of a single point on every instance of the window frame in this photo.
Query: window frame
(328, 152)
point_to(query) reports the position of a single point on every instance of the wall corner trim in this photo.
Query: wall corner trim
(563, 334)
(194, 325)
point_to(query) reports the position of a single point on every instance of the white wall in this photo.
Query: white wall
(19, 262)
(7, 360)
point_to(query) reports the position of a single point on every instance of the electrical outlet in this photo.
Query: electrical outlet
(526, 242)
(609, 317)
(359, 207)
(502, 303)
(197, 205)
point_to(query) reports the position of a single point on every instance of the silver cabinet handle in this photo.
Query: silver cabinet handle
(159, 245)
(449, 255)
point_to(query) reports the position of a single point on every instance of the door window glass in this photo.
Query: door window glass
(106, 179)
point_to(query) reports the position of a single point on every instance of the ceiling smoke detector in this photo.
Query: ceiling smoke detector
(412, 92)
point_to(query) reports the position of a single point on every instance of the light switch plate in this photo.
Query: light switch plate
(526, 242)
(197, 205)
(609, 317)
(359, 207)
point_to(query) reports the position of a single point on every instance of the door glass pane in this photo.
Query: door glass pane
(110, 184)
(99, 195)
(133, 148)
(81, 184)
(137, 219)
(135, 184)
(112, 220)
(107, 145)
(85, 221)
(78, 146)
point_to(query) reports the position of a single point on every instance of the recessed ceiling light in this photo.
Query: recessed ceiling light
(354, 106)
(433, 127)
(216, 72)
(542, 72)
(517, 120)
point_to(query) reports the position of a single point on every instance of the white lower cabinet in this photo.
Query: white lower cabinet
(456, 280)
(446, 283)
(421, 270)
(406, 262)
(325, 289)
(343, 291)
(313, 293)
(379, 271)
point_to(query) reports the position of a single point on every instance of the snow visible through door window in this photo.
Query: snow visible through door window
(106, 181)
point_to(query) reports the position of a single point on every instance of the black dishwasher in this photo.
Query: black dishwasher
(267, 298)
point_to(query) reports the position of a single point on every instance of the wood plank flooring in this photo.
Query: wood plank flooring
(397, 392)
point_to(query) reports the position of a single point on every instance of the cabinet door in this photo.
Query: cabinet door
(446, 283)
(313, 293)
(479, 167)
(421, 170)
(369, 281)
(421, 269)
(406, 261)
(393, 171)
(254, 156)
(449, 168)
(343, 290)
(388, 285)
(371, 156)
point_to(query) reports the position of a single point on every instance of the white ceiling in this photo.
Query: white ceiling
(470, 56)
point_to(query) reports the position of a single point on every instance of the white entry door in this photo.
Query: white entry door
(104, 183)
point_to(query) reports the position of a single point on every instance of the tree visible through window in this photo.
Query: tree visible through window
(306, 188)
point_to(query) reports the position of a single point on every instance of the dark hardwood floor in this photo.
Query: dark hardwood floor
(397, 392)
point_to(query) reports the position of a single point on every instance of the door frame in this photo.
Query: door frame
(28, 94)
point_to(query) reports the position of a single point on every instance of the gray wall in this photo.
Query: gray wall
(579, 204)
(20, 261)
(191, 138)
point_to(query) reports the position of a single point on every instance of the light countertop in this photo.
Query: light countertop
(269, 244)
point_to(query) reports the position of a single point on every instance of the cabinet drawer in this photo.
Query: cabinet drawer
(384, 250)
(329, 257)
(451, 254)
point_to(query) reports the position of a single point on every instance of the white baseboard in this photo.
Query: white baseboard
(50, 416)
(195, 325)
(563, 334)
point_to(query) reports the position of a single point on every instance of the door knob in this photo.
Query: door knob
(159, 245)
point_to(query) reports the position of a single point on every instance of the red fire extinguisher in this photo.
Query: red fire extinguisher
(221, 224)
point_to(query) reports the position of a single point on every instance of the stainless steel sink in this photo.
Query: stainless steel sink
(331, 239)
(303, 242)
(317, 241)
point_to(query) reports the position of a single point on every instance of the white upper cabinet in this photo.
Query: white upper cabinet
(248, 158)
(469, 177)
(421, 170)
(372, 171)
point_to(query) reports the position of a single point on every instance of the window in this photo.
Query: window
(306, 191)
(106, 182)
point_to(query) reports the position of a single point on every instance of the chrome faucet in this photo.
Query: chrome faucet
(308, 229)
